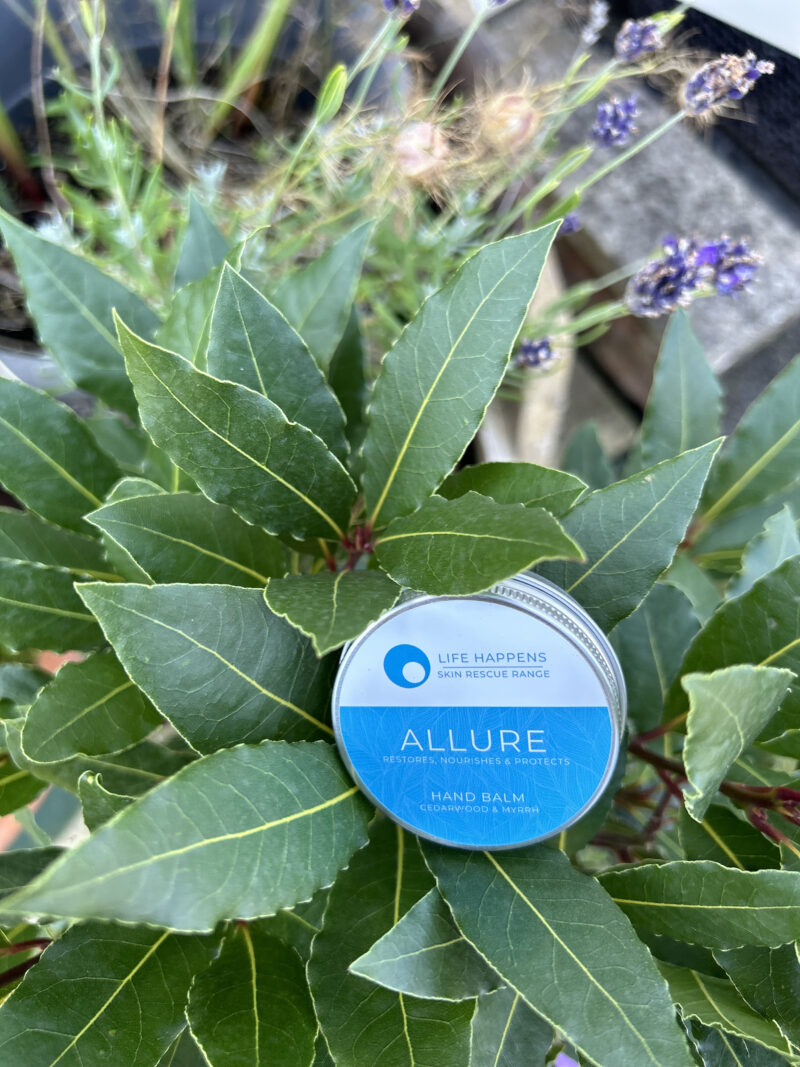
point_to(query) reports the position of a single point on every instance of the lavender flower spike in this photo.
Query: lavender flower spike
(727, 78)
(401, 8)
(535, 353)
(571, 223)
(665, 284)
(733, 262)
(614, 125)
(638, 38)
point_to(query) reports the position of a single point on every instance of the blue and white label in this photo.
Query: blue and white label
(474, 722)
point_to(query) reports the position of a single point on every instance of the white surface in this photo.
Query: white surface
(775, 21)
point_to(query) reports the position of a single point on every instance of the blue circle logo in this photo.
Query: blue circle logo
(406, 666)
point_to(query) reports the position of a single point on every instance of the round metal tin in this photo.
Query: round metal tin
(483, 722)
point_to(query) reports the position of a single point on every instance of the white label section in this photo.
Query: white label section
(470, 652)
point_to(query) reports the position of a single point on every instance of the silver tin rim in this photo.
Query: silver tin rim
(562, 614)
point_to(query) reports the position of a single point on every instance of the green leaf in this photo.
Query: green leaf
(347, 378)
(777, 542)
(364, 1023)
(203, 246)
(91, 707)
(40, 609)
(97, 803)
(769, 980)
(215, 661)
(130, 487)
(425, 955)
(683, 409)
(760, 628)
(507, 1033)
(298, 926)
(71, 302)
(317, 299)
(709, 904)
(695, 584)
(188, 322)
(725, 837)
(435, 384)
(467, 545)
(114, 434)
(238, 446)
(187, 535)
(241, 833)
(102, 993)
(720, 545)
(252, 1005)
(18, 786)
(728, 709)
(21, 866)
(584, 457)
(331, 608)
(718, 1049)
(714, 1002)
(24, 537)
(252, 343)
(48, 459)
(650, 644)
(516, 483)
(629, 533)
(183, 1052)
(553, 934)
(19, 684)
(762, 455)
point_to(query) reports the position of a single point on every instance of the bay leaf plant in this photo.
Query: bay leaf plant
(233, 511)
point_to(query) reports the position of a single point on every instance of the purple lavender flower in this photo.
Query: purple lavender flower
(733, 263)
(665, 284)
(638, 38)
(534, 353)
(727, 78)
(401, 8)
(571, 223)
(615, 125)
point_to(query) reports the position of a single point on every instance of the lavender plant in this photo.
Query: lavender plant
(237, 900)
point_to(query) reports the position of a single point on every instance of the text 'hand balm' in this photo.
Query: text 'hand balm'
(484, 722)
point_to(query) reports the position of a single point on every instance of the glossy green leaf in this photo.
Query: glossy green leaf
(719, 1049)
(98, 804)
(188, 536)
(760, 628)
(650, 644)
(132, 486)
(238, 446)
(348, 379)
(728, 709)
(19, 684)
(331, 608)
(629, 532)
(215, 661)
(727, 838)
(762, 454)
(99, 994)
(25, 537)
(203, 246)
(584, 457)
(714, 1002)
(183, 1052)
(252, 1005)
(468, 544)
(721, 544)
(435, 384)
(18, 786)
(39, 608)
(364, 1023)
(769, 980)
(516, 483)
(582, 967)
(91, 707)
(507, 1033)
(777, 542)
(425, 955)
(241, 833)
(71, 302)
(123, 442)
(695, 585)
(188, 321)
(48, 459)
(683, 409)
(317, 299)
(297, 926)
(709, 904)
(253, 344)
(21, 866)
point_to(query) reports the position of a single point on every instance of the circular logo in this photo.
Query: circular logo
(406, 666)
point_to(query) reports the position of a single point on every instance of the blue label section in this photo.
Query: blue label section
(476, 776)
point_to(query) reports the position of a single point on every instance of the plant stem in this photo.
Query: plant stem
(629, 153)
(381, 45)
(458, 51)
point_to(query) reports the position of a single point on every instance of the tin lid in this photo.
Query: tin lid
(483, 722)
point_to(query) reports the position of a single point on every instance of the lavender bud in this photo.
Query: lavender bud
(733, 263)
(727, 78)
(614, 125)
(535, 353)
(571, 223)
(665, 284)
(401, 8)
(638, 38)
